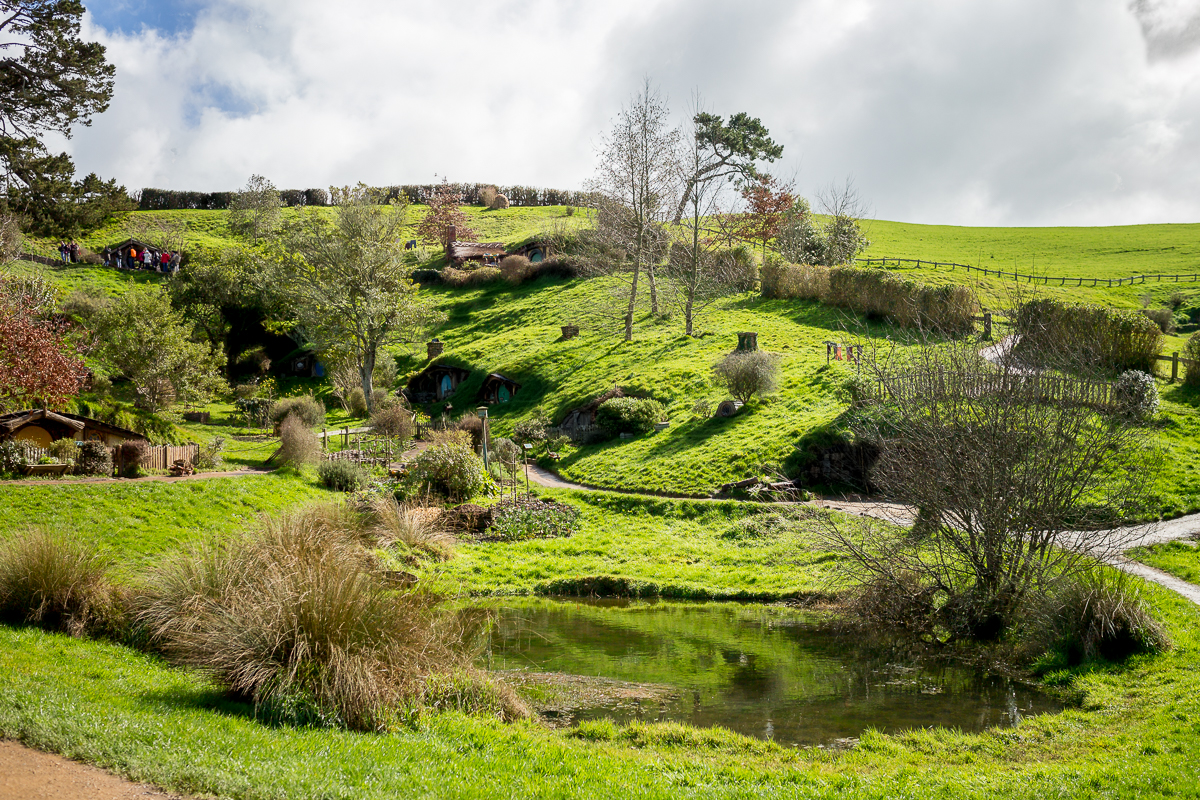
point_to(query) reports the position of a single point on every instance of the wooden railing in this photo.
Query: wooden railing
(1036, 387)
(1047, 280)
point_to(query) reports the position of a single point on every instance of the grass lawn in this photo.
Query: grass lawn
(629, 545)
(1181, 558)
(136, 521)
(1134, 734)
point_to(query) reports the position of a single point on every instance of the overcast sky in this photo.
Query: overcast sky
(1022, 112)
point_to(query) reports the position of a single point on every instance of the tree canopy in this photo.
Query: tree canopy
(39, 366)
(730, 149)
(345, 284)
(50, 81)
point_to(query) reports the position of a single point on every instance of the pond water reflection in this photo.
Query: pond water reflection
(768, 672)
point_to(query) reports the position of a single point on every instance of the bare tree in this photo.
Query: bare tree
(345, 282)
(996, 476)
(255, 210)
(637, 181)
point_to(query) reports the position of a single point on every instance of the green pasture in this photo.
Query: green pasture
(1180, 558)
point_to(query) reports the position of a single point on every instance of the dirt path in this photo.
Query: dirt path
(27, 774)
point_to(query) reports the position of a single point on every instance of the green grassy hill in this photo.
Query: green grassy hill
(515, 331)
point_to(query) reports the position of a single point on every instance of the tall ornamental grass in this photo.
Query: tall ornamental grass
(294, 617)
(54, 581)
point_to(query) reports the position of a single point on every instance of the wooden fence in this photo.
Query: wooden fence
(1047, 280)
(1035, 388)
(158, 456)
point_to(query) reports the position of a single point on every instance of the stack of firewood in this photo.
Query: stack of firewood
(181, 467)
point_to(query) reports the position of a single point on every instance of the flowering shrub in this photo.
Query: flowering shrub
(14, 455)
(528, 517)
(1136, 394)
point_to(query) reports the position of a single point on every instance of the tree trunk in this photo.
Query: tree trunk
(687, 310)
(632, 301)
(367, 370)
(653, 289)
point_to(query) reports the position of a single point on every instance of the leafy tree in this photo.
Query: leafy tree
(39, 365)
(443, 212)
(41, 187)
(51, 80)
(729, 150)
(699, 265)
(768, 205)
(143, 338)
(255, 210)
(838, 241)
(344, 283)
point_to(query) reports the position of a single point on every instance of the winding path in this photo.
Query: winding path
(1123, 539)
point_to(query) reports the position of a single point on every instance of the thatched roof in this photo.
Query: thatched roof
(460, 251)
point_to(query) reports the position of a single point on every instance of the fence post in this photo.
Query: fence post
(987, 324)
(1174, 366)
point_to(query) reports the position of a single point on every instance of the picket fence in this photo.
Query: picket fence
(1034, 387)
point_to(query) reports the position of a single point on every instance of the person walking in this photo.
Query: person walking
(74, 252)
(62, 251)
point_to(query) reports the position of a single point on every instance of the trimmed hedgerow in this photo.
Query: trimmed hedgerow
(1114, 338)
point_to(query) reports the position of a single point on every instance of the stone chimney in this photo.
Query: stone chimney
(434, 349)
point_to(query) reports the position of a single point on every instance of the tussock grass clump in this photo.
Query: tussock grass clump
(469, 278)
(418, 528)
(54, 581)
(298, 445)
(1099, 614)
(294, 618)
(514, 268)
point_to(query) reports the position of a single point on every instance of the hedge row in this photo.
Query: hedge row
(168, 199)
(874, 293)
(1114, 338)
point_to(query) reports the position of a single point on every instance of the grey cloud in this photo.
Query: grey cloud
(1171, 29)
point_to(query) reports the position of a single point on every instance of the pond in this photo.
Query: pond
(768, 672)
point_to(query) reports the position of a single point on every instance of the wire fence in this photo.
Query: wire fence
(1045, 280)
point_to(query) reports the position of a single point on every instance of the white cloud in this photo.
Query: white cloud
(947, 111)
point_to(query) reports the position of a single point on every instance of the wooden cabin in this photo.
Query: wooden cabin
(41, 427)
(436, 382)
(498, 389)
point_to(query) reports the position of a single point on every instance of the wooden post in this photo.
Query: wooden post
(324, 439)
(987, 325)
(1174, 366)
(346, 437)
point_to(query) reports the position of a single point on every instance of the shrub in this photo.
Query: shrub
(629, 415)
(514, 269)
(1136, 394)
(1098, 614)
(52, 580)
(528, 517)
(356, 402)
(63, 450)
(1191, 352)
(417, 528)
(293, 618)
(531, 431)
(14, 455)
(702, 409)
(449, 470)
(794, 281)
(473, 426)
(1118, 339)
(392, 420)
(305, 408)
(1164, 318)
(487, 196)
(133, 455)
(462, 278)
(747, 373)
(501, 202)
(298, 444)
(209, 456)
(342, 476)
(94, 459)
